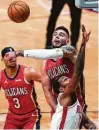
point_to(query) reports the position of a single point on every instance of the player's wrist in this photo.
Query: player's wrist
(83, 45)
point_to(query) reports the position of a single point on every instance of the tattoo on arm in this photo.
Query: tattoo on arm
(79, 65)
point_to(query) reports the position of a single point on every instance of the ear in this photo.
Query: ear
(68, 41)
(2, 58)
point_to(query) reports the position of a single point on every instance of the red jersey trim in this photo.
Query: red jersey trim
(64, 114)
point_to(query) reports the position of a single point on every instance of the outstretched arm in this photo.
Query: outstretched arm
(79, 65)
(47, 88)
(65, 51)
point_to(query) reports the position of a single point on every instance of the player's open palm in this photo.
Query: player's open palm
(85, 35)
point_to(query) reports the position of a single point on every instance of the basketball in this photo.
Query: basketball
(18, 11)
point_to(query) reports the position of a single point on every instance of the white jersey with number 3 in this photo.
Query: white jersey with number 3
(66, 117)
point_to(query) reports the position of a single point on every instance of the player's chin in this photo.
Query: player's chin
(12, 65)
(56, 45)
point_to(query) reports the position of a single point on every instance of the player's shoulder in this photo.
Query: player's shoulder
(29, 70)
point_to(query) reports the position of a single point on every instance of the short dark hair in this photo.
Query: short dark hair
(62, 28)
(5, 50)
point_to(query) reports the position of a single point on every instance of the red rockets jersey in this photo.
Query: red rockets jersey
(18, 92)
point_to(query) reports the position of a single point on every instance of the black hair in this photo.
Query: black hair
(62, 28)
(5, 50)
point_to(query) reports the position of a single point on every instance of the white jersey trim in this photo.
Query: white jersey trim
(69, 107)
(26, 81)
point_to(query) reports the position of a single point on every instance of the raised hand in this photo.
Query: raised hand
(69, 51)
(85, 35)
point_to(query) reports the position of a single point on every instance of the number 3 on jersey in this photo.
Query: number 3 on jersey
(16, 101)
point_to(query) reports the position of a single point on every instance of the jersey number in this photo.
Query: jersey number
(17, 104)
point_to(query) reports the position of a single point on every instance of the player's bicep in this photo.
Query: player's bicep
(32, 75)
(36, 76)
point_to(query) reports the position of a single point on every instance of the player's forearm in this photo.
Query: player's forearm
(79, 65)
(42, 53)
(65, 51)
(51, 101)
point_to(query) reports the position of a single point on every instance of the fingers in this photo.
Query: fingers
(89, 33)
(19, 53)
(83, 28)
(85, 34)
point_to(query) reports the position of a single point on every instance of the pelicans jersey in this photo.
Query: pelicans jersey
(58, 68)
(18, 93)
(66, 117)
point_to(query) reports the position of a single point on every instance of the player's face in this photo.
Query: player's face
(64, 83)
(60, 38)
(10, 59)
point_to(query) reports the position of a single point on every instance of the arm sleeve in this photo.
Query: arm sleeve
(44, 53)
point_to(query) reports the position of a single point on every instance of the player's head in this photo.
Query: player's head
(63, 81)
(9, 57)
(60, 37)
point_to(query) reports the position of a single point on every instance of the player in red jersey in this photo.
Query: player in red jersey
(53, 69)
(17, 81)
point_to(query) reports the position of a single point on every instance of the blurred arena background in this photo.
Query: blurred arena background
(31, 34)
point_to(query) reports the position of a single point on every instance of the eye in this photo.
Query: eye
(55, 33)
(62, 34)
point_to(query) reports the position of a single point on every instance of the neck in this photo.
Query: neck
(11, 72)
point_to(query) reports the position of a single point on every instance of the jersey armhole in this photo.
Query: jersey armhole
(0, 79)
(26, 81)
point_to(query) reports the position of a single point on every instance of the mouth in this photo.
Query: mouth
(12, 61)
(57, 43)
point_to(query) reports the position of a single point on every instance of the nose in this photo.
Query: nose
(57, 36)
(12, 58)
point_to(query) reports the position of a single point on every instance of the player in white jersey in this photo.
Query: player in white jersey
(67, 117)
(68, 113)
